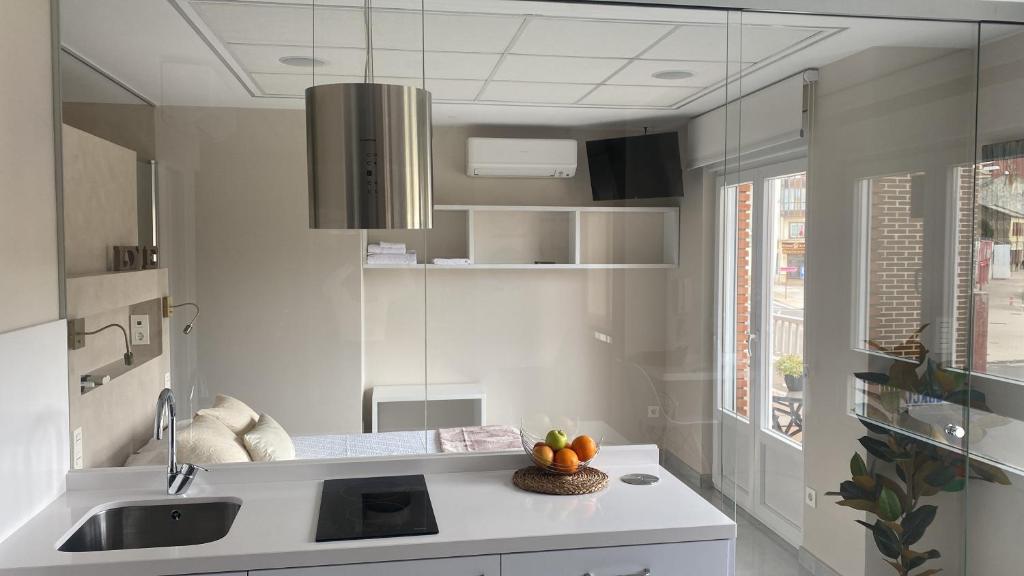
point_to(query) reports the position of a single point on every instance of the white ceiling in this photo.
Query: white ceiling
(486, 61)
(481, 57)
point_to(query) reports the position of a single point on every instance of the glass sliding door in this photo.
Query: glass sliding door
(996, 330)
(857, 145)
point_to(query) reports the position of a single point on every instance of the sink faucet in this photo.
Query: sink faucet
(179, 478)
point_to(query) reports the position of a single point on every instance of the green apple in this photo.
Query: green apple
(557, 440)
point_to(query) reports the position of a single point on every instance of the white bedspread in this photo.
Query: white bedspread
(357, 445)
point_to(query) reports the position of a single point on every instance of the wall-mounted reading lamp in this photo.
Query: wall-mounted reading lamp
(169, 309)
(77, 334)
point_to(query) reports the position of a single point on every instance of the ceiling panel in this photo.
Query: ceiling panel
(255, 23)
(454, 65)
(270, 24)
(264, 58)
(534, 93)
(565, 37)
(450, 65)
(707, 43)
(759, 42)
(350, 61)
(454, 89)
(574, 60)
(557, 69)
(641, 73)
(294, 85)
(471, 33)
(637, 95)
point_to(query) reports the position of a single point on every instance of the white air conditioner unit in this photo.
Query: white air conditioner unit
(520, 158)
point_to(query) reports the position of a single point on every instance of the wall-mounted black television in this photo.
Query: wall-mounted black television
(645, 166)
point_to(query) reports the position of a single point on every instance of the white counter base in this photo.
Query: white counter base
(479, 513)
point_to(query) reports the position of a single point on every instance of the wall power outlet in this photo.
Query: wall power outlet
(810, 497)
(76, 457)
(140, 329)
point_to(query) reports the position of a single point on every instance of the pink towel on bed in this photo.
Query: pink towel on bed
(496, 438)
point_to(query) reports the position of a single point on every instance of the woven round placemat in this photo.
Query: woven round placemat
(586, 481)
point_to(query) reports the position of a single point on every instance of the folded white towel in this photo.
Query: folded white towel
(394, 245)
(408, 258)
(452, 261)
(384, 248)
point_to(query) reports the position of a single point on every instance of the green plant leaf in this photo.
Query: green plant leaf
(863, 505)
(955, 485)
(857, 465)
(911, 559)
(940, 476)
(963, 397)
(872, 377)
(865, 482)
(851, 491)
(916, 522)
(903, 375)
(874, 428)
(889, 507)
(990, 473)
(905, 502)
(886, 540)
(929, 572)
(878, 449)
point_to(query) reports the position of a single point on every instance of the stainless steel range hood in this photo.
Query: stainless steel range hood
(369, 156)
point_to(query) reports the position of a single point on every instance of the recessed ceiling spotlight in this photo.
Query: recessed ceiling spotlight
(301, 61)
(672, 75)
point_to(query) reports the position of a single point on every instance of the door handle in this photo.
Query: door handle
(751, 339)
(644, 572)
(955, 431)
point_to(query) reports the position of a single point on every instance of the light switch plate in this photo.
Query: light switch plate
(140, 329)
(77, 455)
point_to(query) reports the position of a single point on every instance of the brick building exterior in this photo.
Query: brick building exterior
(896, 260)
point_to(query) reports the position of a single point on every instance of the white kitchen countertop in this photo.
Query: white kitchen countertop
(478, 512)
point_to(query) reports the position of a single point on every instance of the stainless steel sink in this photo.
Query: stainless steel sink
(154, 525)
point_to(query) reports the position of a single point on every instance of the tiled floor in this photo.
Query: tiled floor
(759, 552)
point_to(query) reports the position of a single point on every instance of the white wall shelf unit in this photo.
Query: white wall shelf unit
(542, 238)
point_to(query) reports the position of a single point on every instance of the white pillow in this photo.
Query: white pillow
(267, 441)
(209, 441)
(234, 413)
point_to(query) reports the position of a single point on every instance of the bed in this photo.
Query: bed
(446, 440)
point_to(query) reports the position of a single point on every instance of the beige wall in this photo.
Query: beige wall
(690, 307)
(28, 237)
(100, 193)
(527, 336)
(281, 304)
(130, 125)
(100, 201)
(33, 418)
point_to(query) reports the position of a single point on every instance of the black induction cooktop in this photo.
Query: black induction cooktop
(381, 507)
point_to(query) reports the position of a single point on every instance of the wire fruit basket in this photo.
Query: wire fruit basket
(530, 441)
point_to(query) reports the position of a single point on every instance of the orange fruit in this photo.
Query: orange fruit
(543, 454)
(566, 460)
(584, 447)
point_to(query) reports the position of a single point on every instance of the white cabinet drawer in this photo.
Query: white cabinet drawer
(469, 566)
(711, 558)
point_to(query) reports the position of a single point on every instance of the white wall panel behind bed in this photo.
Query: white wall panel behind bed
(33, 421)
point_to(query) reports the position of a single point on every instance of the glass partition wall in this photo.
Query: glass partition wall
(819, 334)
(533, 303)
